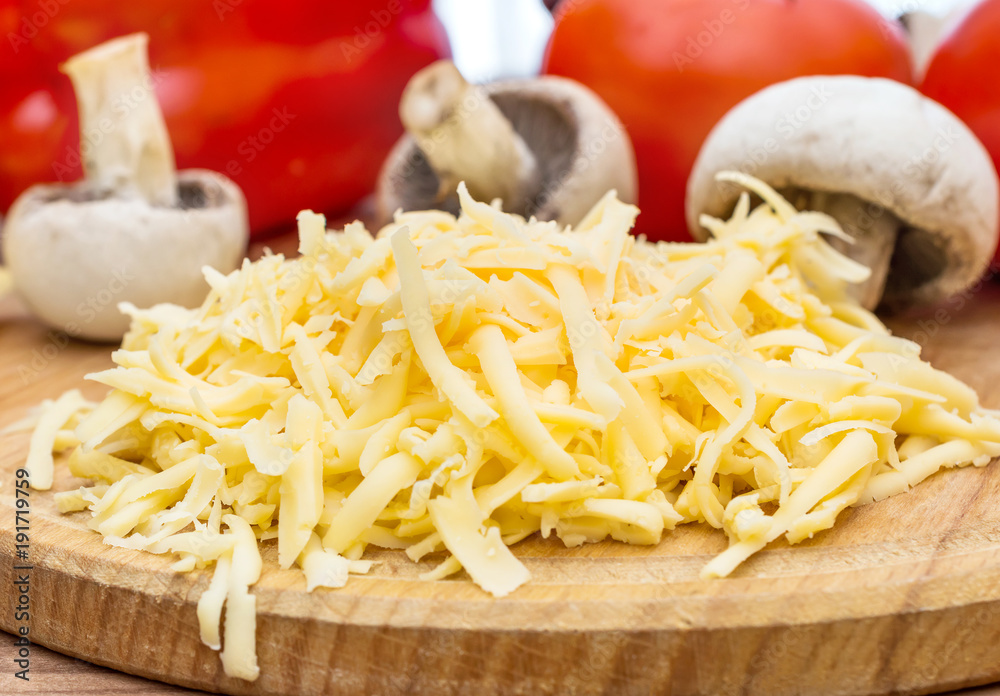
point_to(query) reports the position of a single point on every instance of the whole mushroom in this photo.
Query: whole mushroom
(902, 175)
(548, 147)
(134, 230)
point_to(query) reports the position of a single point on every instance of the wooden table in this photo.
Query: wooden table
(53, 673)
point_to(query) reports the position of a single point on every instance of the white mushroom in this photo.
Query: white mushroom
(133, 230)
(903, 176)
(548, 147)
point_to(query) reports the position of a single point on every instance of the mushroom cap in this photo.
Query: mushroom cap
(580, 145)
(74, 256)
(880, 141)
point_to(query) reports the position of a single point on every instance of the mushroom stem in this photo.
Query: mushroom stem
(465, 137)
(874, 231)
(124, 143)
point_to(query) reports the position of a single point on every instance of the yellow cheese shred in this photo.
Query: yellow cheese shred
(453, 385)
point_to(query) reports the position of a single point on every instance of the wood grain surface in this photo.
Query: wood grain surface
(901, 597)
(54, 673)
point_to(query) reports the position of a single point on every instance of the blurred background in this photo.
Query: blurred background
(507, 38)
(298, 103)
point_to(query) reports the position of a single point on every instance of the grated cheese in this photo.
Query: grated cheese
(454, 385)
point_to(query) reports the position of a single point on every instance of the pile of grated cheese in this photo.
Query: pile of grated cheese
(453, 386)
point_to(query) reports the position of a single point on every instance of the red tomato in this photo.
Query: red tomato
(961, 75)
(672, 68)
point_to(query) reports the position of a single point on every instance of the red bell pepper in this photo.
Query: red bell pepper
(297, 102)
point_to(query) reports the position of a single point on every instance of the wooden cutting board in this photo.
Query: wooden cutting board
(903, 596)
